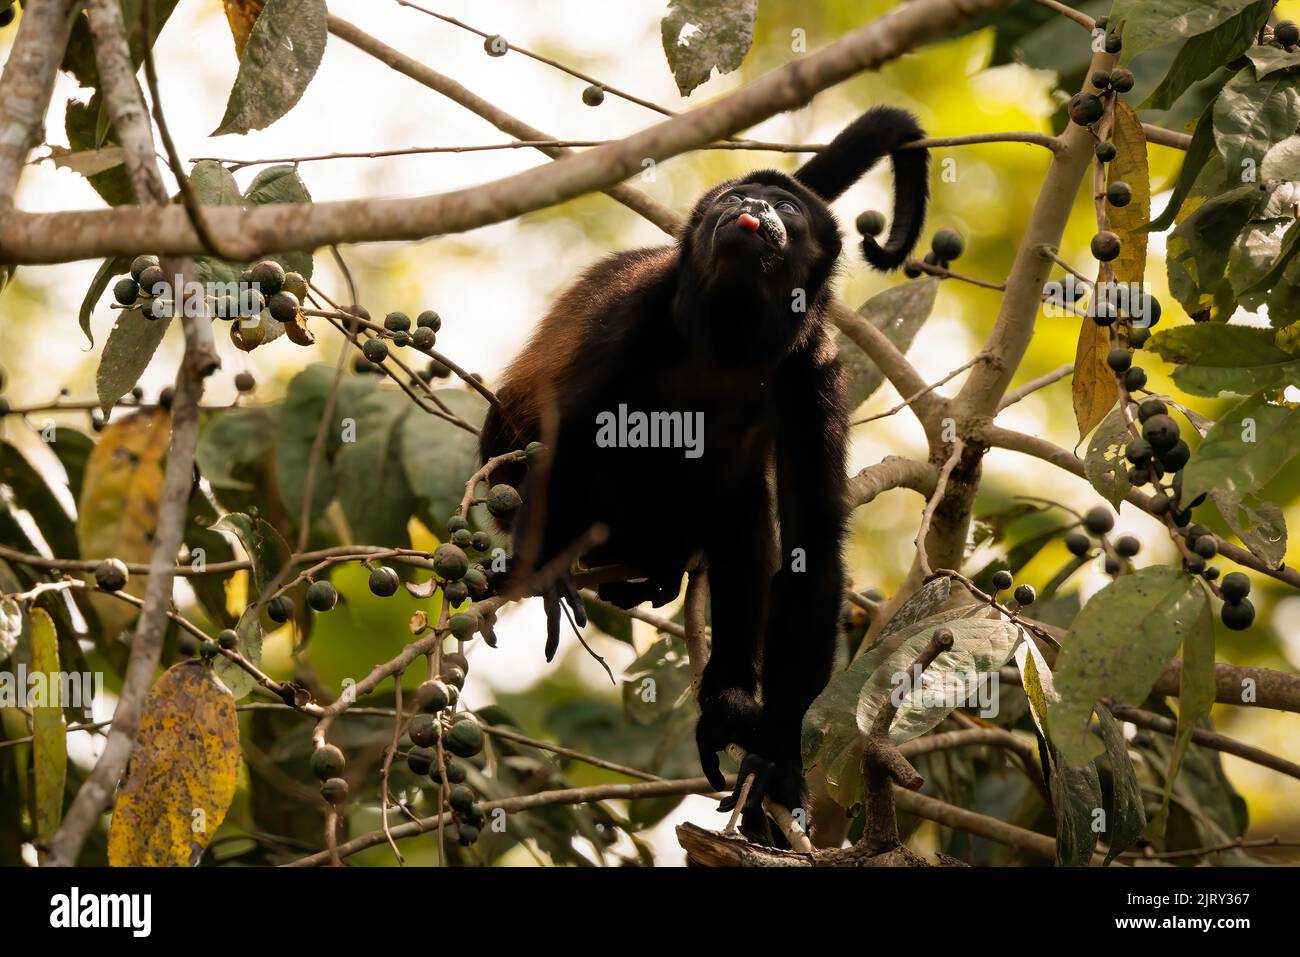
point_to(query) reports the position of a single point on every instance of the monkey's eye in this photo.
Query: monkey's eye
(787, 207)
(732, 198)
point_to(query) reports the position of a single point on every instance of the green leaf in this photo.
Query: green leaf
(1149, 24)
(296, 421)
(1199, 246)
(82, 124)
(281, 57)
(372, 489)
(214, 185)
(1247, 447)
(1195, 693)
(899, 312)
(233, 445)
(439, 457)
(1126, 816)
(1215, 357)
(30, 492)
(127, 352)
(1268, 60)
(1251, 115)
(1118, 646)
(1203, 54)
(699, 35)
(282, 184)
(49, 745)
(1104, 464)
(108, 271)
(265, 548)
(1260, 525)
(1199, 152)
(1076, 802)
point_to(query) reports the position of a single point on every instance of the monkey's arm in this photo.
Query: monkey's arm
(804, 604)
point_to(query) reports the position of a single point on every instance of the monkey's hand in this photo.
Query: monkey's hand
(727, 716)
(562, 589)
(781, 782)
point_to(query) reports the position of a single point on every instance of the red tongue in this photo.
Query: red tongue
(749, 222)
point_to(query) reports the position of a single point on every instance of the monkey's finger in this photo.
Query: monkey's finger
(551, 604)
(709, 762)
(575, 600)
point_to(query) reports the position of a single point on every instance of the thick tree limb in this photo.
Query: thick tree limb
(893, 471)
(126, 109)
(28, 84)
(67, 236)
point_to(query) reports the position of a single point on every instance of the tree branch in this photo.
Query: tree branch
(66, 236)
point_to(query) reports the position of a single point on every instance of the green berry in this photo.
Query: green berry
(1002, 579)
(228, 639)
(375, 350)
(335, 791)
(450, 561)
(1078, 543)
(421, 759)
(462, 538)
(1135, 378)
(140, 264)
(870, 223)
(593, 96)
(457, 593)
(1119, 194)
(1025, 594)
(280, 609)
(327, 762)
(295, 283)
(1105, 246)
(1086, 108)
(397, 322)
(1177, 457)
(480, 541)
(384, 582)
(1099, 520)
(1239, 615)
(1161, 431)
(424, 730)
(429, 320)
(947, 244)
(432, 696)
(111, 574)
(1128, 546)
(1206, 546)
(322, 596)
(424, 338)
(1105, 151)
(1119, 360)
(1121, 80)
(268, 276)
(463, 627)
(284, 306)
(464, 739)
(1235, 587)
(503, 500)
(126, 291)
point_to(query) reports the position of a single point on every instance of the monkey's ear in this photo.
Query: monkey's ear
(881, 131)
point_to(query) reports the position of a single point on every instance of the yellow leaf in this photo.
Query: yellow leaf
(49, 736)
(182, 774)
(242, 14)
(118, 511)
(1130, 166)
(1095, 389)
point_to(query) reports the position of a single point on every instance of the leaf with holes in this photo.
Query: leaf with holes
(1260, 525)
(699, 35)
(282, 55)
(182, 774)
(1118, 646)
(1105, 465)
(899, 312)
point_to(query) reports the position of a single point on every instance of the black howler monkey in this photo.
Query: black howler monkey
(726, 330)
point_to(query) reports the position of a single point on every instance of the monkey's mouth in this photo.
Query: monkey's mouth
(736, 227)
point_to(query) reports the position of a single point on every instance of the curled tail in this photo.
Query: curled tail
(881, 131)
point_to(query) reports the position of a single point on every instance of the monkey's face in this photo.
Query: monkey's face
(763, 229)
